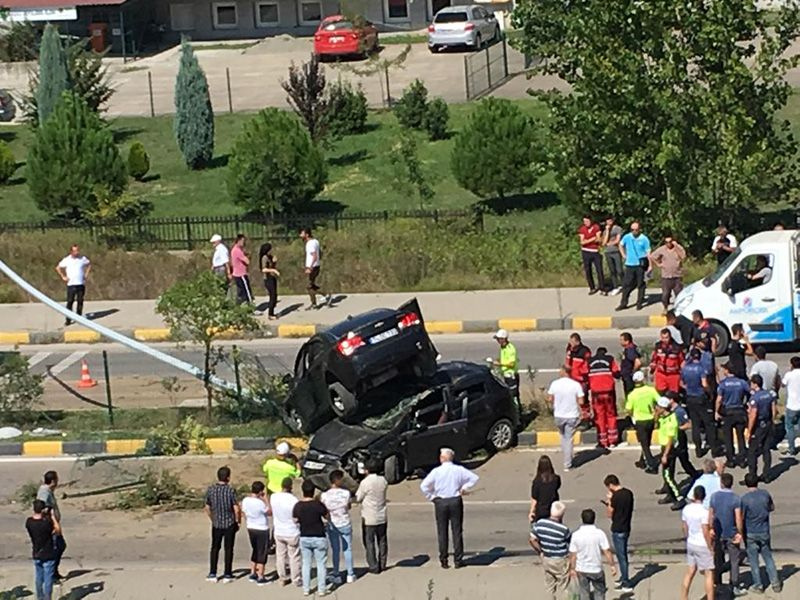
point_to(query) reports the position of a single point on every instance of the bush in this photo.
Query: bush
(53, 75)
(274, 165)
(167, 440)
(138, 161)
(411, 108)
(305, 92)
(436, 119)
(496, 152)
(194, 117)
(8, 164)
(72, 153)
(18, 43)
(20, 389)
(347, 109)
(162, 490)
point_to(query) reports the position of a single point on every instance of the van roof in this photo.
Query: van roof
(768, 238)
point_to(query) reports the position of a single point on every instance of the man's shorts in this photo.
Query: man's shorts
(700, 557)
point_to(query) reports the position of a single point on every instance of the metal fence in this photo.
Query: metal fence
(486, 69)
(188, 233)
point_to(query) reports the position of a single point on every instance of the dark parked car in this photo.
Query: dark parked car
(464, 406)
(337, 368)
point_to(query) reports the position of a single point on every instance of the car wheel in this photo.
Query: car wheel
(295, 417)
(500, 436)
(342, 400)
(393, 469)
(478, 42)
(497, 35)
(433, 49)
(723, 338)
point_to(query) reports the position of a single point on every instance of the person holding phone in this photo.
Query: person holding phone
(619, 508)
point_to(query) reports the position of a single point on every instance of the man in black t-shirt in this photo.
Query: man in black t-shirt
(41, 527)
(737, 350)
(619, 508)
(309, 514)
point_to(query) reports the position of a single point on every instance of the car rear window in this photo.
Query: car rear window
(451, 17)
(338, 26)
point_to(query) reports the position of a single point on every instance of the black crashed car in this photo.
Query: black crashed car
(337, 368)
(464, 406)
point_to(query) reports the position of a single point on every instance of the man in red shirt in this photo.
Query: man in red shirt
(666, 364)
(589, 236)
(603, 373)
(577, 364)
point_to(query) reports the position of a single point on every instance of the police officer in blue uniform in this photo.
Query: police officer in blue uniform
(731, 408)
(762, 412)
(694, 382)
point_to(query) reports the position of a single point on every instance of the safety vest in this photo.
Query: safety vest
(276, 471)
(667, 429)
(667, 359)
(508, 356)
(603, 370)
(577, 361)
(640, 403)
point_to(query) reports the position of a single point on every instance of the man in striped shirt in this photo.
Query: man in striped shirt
(550, 538)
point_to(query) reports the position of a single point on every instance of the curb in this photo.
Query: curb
(87, 336)
(226, 445)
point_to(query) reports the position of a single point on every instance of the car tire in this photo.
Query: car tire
(393, 469)
(433, 49)
(497, 35)
(501, 436)
(343, 401)
(478, 42)
(723, 338)
(295, 418)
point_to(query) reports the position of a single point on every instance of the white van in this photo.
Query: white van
(758, 286)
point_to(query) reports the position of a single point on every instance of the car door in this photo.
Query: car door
(412, 306)
(433, 429)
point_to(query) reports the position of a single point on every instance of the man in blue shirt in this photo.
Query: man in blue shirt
(725, 514)
(731, 407)
(694, 381)
(635, 250)
(709, 480)
(682, 447)
(761, 413)
(756, 506)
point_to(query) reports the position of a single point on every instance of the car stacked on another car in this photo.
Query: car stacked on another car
(471, 26)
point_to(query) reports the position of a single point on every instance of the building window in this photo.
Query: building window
(226, 15)
(310, 12)
(396, 10)
(181, 17)
(267, 14)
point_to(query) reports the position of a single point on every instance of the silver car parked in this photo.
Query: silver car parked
(472, 26)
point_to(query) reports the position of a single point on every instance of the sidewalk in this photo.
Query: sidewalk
(444, 312)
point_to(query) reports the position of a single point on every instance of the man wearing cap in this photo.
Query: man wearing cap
(669, 442)
(640, 405)
(279, 467)
(221, 260)
(694, 382)
(731, 408)
(507, 363)
(445, 486)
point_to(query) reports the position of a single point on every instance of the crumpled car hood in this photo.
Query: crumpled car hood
(338, 438)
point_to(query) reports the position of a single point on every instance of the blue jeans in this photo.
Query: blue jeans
(758, 543)
(314, 548)
(45, 570)
(620, 541)
(792, 423)
(341, 538)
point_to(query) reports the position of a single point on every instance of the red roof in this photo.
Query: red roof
(22, 4)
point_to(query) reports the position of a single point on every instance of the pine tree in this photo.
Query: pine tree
(194, 117)
(53, 73)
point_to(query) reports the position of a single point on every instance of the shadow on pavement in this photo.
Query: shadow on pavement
(484, 559)
(82, 591)
(94, 316)
(284, 311)
(647, 572)
(415, 561)
(785, 464)
(76, 573)
(586, 456)
(19, 591)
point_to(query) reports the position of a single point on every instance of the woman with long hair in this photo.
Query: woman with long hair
(268, 265)
(544, 489)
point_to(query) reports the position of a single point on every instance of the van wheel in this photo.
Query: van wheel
(501, 436)
(393, 469)
(342, 401)
(723, 338)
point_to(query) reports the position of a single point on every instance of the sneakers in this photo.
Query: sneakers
(625, 588)
(739, 591)
(756, 590)
(615, 291)
(334, 579)
(593, 291)
(328, 299)
(351, 579)
(262, 582)
(777, 588)
(253, 578)
(227, 579)
(211, 578)
(666, 500)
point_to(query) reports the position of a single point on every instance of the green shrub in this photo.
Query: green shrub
(72, 153)
(194, 117)
(18, 43)
(53, 74)
(436, 119)
(411, 108)
(8, 164)
(20, 390)
(347, 109)
(162, 490)
(167, 440)
(274, 165)
(138, 161)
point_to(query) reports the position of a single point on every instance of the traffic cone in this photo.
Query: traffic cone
(86, 379)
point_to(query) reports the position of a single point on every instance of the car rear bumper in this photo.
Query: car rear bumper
(342, 49)
(451, 38)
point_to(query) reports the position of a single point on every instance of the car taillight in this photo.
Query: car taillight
(348, 345)
(408, 320)
(354, 36)
(469, 26)
(431, 28)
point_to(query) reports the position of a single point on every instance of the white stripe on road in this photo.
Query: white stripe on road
(67, 362)
(477, 502)
(37, 358)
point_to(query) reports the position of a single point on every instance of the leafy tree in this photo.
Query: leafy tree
(436, 119)
(410, 172)
(497, 152)
(274, 165)
(194, 117)
(138, 161)
(73, 151)
(53, 74)
(110, 207)
(20, 389)
(347, 109)
(673, 116)
(305, 91)
(200, 310)
(8, 164)
(411, 108)
(18, 43)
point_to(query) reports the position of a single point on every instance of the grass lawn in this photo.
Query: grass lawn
(361, 178)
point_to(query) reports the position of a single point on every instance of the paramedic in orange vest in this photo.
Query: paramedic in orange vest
(603, 373)
(666, 364)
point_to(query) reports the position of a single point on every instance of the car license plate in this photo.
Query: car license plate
(313, 465)
(336, 39)
(389, 333)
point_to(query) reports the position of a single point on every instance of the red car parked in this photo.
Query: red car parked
(338, 36)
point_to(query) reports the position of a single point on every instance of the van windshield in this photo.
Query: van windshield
(714, 277)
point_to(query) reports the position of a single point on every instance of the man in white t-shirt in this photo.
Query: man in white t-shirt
(791, 382)
(313, 262)
(74, 270)
(221, 260)
(287, 534)
(565, 395)
(699, 554)
(586, 549)
(340, 528)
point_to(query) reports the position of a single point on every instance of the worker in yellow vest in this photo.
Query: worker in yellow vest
(507, 363)
(277, 468)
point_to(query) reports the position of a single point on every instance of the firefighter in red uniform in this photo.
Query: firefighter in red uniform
(603, 371)
(577, 363)
(666, 364)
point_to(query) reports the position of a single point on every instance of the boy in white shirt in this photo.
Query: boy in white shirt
(699, 554)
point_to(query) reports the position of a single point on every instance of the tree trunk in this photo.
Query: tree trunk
(206, 379)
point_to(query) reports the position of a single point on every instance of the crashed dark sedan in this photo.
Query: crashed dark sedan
(336, 368)
(464, 406)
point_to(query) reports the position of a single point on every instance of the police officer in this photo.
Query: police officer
(762, 411)
(669, 441)
(731, 408)
(507, 363)
(666, 363)
(640, 405)
(577, 364)
(631, 361)
(694, 382)
(703, 331)
(603, 373)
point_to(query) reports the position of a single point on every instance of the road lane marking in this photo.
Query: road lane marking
(37, 358)
(67, 362)
(476, 502)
